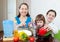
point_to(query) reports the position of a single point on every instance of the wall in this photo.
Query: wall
(42, 6)
(3, 12)
(11, 9)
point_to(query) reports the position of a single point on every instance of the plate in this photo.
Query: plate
(28, 32)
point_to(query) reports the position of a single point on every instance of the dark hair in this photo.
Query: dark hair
(40, 17)
(27, 7)
(51, 11)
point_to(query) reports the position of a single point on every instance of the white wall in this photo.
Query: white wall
(42, 6)
(11, 9)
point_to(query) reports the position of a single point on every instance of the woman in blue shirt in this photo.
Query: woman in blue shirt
(23, 17)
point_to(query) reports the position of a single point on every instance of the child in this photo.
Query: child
(40, 22)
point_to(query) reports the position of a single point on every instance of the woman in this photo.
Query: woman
(23, 17)
(50, 16)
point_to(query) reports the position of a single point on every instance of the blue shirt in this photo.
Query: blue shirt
(27, 21)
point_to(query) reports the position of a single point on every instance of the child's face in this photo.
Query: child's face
(40, 23)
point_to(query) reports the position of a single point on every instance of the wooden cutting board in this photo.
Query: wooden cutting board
(8, 39)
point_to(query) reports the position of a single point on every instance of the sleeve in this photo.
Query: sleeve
(54, 28)
(28, 21)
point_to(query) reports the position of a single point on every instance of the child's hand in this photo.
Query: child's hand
(30, 24)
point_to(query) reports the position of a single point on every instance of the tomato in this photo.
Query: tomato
(31, 39)
(16, 39)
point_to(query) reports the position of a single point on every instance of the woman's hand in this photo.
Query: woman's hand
(47, 27)
(22, 24)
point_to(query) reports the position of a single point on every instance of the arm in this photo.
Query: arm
(54, 28)
(16, 25)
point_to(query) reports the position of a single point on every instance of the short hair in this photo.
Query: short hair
(51, 10)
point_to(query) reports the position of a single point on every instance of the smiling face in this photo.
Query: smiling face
(23, 10)
(50, 16)
(40, 20)
(40, 23)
